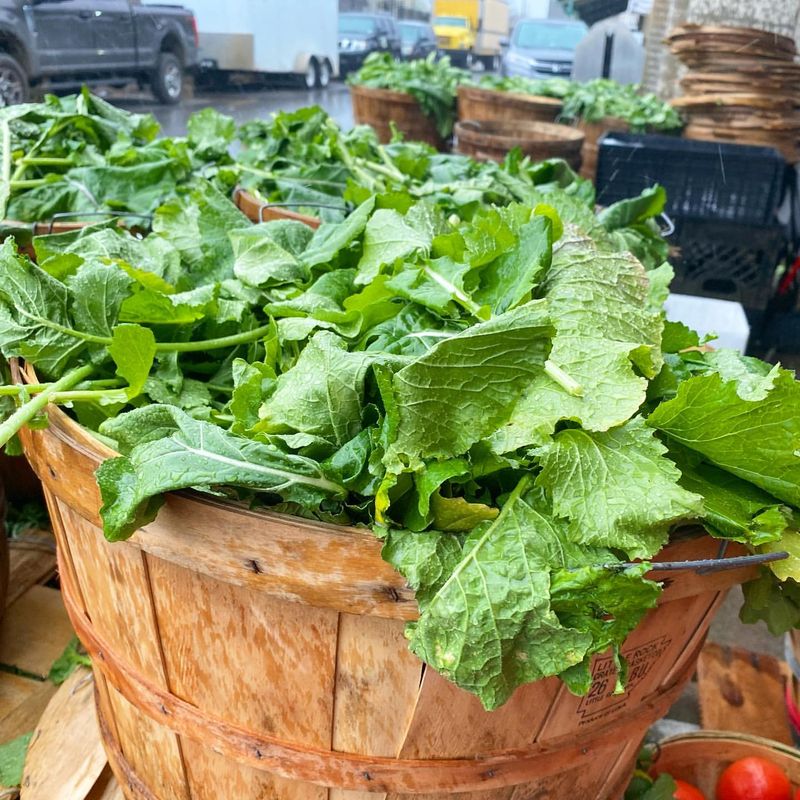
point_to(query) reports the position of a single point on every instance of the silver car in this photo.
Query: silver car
(543, 48)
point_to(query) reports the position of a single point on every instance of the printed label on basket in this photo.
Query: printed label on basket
(601, 701)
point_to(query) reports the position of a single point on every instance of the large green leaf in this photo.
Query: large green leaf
(322, 394)
(510, 278)
(35, 322)
(607, 341)
(271, 253)
(486, 618)
(97, 293)
(756, 439)
(133, 349)
(387, 238)
(330, 240)
(588, 476)
(732, 508)
(468, 384)
(191, 453)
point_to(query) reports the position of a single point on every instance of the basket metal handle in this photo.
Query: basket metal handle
(264, 206)
(709, 565)
(669, 225)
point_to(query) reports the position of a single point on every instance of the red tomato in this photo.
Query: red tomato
(753, 779)
(797, 794)
(685, 791)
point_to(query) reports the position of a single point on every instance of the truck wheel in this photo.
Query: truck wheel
(13, 82)
(310, 77)
(167, 81)
(324, 74)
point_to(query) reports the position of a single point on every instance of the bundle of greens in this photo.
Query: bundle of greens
(644, 112)
(541, 87)
(304, 159)
(79, 154)
(499, 398)
(432, 81)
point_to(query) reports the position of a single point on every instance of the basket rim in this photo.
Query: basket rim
(521, 98)
(517, 132)
(712, 735)
(81, 439)
(389, 95)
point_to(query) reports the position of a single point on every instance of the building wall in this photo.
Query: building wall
(403, 9)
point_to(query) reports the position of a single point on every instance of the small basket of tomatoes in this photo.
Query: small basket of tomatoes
(712, 765)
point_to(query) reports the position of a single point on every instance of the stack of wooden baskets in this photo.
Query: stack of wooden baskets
(491, 140)
(743, 86)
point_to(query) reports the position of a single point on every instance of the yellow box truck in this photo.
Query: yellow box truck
(470, 30)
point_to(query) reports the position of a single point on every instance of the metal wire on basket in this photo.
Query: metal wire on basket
(264, 206)
(64, 215)
(708, 565)
(669, 224)
(238, 191)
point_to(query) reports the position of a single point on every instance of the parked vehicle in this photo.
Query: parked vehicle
(471, 30)
(417, 39)
(362, 34)
(64, 43)
(543, 48)
(271, 37)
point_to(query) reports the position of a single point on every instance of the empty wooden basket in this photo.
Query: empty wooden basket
(489, 104)
(491, 140)
(381, 108)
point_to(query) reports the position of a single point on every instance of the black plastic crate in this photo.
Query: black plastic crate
(727, 260)
(704, 180)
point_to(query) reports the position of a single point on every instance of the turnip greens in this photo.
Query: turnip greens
(491, 387)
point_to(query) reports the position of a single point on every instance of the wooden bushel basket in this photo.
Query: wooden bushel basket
(489, 104)
(491, 140)
(592, 132)
(382, 107)
(258, 211)
(243, 654)
(700, 758)
(4, 558)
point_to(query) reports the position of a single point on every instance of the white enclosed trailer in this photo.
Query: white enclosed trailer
(277, 37)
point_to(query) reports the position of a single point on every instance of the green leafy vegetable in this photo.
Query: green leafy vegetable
(12, 760)
(432, 81)
(594, 100)
(72, 658)
(466, 358)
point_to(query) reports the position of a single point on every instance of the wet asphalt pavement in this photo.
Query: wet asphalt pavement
(243, 103)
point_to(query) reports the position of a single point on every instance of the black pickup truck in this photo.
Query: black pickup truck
(63, 43)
